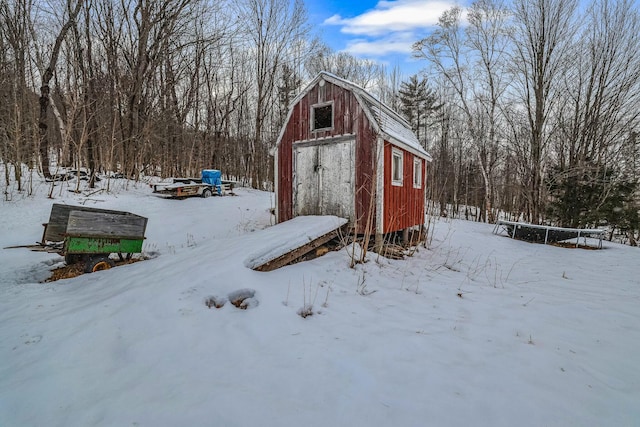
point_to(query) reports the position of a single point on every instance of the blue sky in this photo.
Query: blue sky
(380, 30)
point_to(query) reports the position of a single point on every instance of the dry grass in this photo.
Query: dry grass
(75, 270)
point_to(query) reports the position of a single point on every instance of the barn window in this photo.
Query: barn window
(322, 116)
(417, 173)
(396, 167)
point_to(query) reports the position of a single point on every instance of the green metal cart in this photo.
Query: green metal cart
(91, 235)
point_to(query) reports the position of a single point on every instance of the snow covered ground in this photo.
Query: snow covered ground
(478, 329)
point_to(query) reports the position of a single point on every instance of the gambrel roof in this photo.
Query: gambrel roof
(386, 122)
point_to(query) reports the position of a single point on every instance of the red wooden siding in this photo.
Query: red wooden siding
(365, 177)
(403, 206)
(348, 118)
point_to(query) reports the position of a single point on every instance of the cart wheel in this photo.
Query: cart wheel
(206, 193)
(98, 263)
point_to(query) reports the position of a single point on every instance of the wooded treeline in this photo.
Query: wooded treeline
(533, 111)
(529, 108)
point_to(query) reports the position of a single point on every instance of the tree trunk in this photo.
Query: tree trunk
(44, 89)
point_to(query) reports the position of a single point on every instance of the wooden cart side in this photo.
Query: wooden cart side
(56, 228)
(108, 225)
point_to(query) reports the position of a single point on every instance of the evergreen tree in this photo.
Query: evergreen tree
(591, 195)
(288, 88)
(419, 105)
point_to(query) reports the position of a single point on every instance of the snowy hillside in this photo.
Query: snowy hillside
(478, 329)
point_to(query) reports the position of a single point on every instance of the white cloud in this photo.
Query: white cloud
(391, 16)
(333, 20)
(389, 30)
(397, 43)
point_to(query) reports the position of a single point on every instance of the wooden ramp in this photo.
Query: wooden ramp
(290, 240)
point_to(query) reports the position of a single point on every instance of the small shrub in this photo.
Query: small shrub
(305, 311)
(243, 298)
(213, 301)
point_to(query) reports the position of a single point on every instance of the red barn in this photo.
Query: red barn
(342, 152)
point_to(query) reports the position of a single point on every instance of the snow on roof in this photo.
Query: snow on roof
(388, 122)
(393, 127)
(397, 131)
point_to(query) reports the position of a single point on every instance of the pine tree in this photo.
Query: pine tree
(591, 195)
(288, 88)
(419, 105)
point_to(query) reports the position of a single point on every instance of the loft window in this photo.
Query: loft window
(417, 173)
(322, 116)
(396, 167)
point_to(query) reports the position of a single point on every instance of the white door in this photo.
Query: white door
(324, 181)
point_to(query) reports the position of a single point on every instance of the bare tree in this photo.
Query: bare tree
(471, 63)
(542, 41)
(272, 27)
(47, 75)
(597, 115)
(148, 30)
(388, 85)
(600, 108)
(16, 112)
(362, 72)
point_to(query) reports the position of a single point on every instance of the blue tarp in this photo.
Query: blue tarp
(213, 177)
